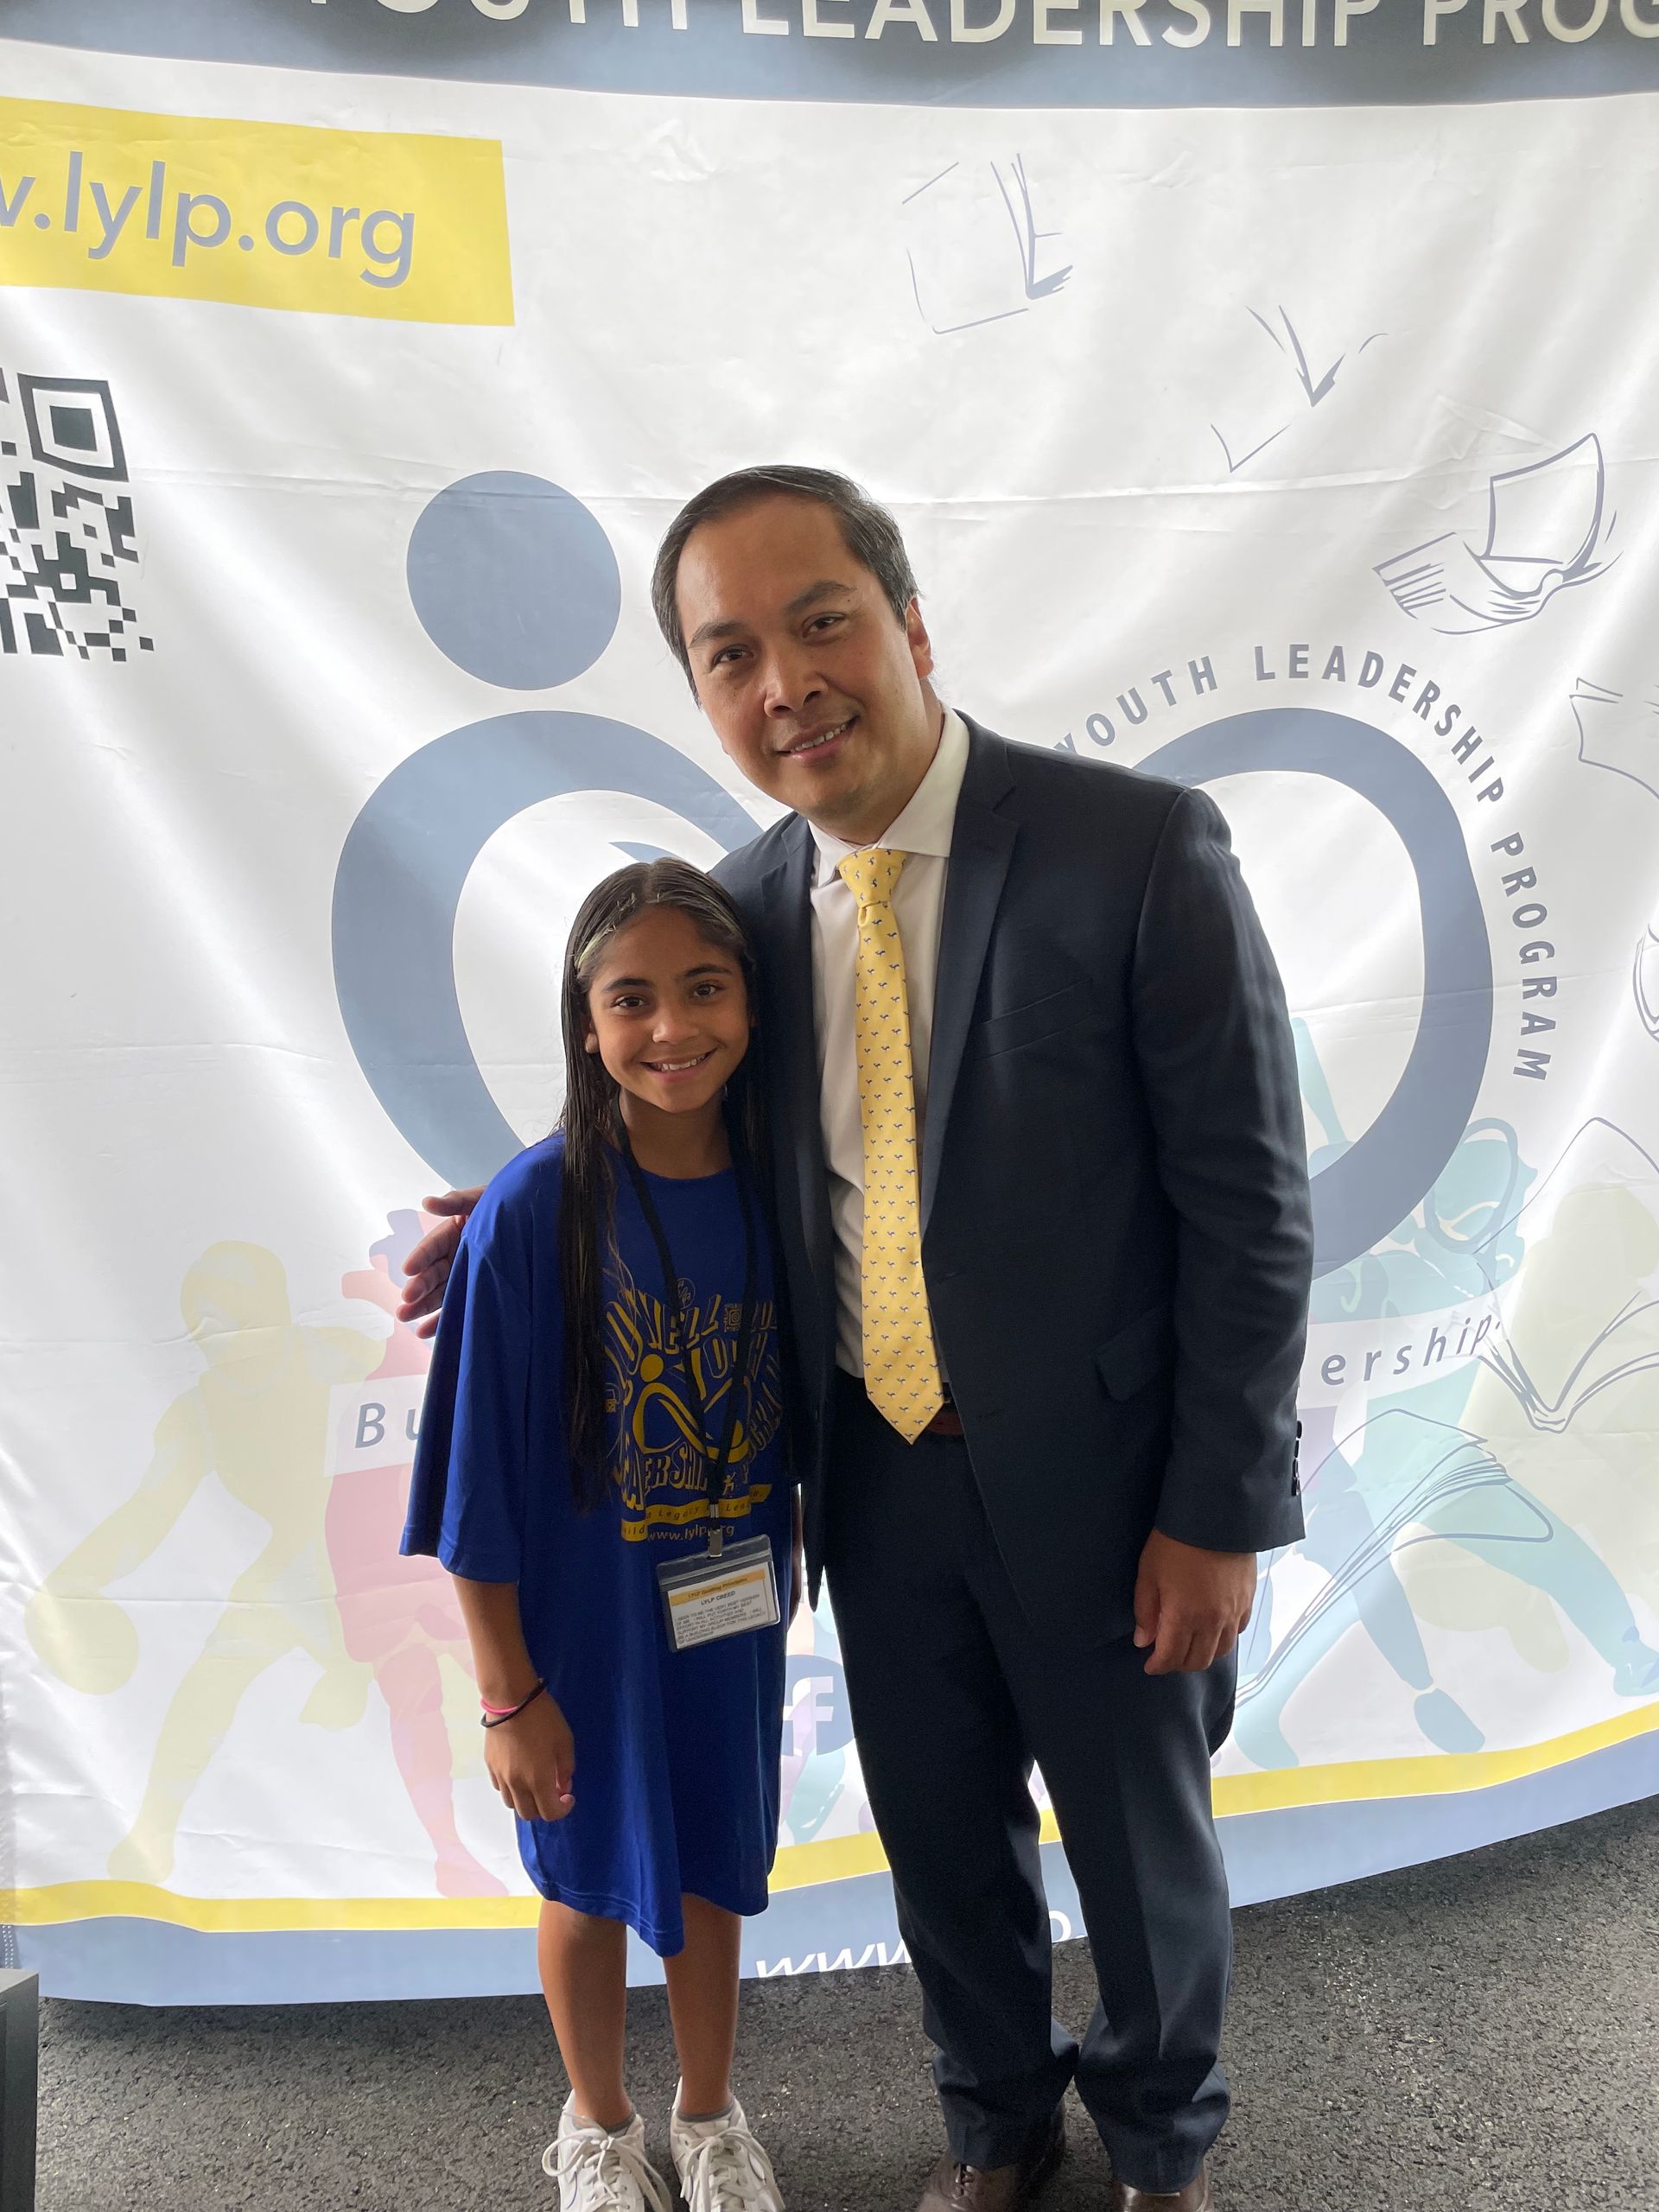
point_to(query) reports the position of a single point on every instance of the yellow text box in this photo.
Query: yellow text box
(384, 223)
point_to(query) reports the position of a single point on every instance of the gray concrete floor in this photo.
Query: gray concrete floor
(1479, 2033)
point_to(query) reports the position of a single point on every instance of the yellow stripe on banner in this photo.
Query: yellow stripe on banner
(838, 1859)
(61, 1901)
(376, 223)
(1440, 1774)
(804, 1866)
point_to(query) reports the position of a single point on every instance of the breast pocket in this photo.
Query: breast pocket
(1070, 1008)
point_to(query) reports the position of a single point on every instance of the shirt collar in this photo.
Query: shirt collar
(926, 826)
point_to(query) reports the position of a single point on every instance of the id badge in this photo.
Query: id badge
(713, 1595)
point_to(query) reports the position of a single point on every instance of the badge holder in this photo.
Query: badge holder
(729, 1589)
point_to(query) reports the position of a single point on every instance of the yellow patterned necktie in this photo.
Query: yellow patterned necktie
(901, 1367)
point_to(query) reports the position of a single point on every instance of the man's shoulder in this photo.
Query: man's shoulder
(1054, 780)
(741, 872)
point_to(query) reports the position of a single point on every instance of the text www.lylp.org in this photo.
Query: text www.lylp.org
(201, 222)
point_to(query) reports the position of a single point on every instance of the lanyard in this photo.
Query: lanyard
(715, 1481)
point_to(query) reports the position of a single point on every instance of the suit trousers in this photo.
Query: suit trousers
(954, 1695)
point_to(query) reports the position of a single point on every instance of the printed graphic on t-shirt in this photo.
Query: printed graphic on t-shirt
(662, 1459)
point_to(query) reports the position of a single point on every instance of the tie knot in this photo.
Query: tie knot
(872, 874)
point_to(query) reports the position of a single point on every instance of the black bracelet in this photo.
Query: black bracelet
(501, 1719)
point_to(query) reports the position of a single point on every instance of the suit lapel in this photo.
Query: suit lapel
(786, 899)
(982, 844)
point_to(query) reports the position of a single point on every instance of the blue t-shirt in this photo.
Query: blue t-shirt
(677, 1753)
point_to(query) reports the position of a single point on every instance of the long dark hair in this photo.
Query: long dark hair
(591, 1124)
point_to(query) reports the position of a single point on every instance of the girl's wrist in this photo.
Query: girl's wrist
(496, 1716)
(501, 1693)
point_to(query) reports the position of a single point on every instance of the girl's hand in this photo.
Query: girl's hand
(532, 1760)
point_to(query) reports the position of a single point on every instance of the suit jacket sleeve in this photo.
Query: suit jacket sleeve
(1213, 1040)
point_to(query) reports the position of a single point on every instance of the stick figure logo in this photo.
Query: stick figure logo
(514, 581)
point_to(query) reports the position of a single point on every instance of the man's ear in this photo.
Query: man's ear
(921, 646)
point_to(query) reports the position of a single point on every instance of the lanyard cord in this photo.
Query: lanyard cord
(716, 1480)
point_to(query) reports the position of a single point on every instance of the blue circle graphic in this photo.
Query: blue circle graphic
(1381, 1180)
(404, 865)
(398, 890)
(514, 580)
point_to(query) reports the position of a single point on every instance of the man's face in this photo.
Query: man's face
(814, 686)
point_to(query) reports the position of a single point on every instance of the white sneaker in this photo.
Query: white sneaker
(598, 2171)
(721, 2167)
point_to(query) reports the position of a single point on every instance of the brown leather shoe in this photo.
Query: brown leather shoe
(1196, 2196)
(957, 2188)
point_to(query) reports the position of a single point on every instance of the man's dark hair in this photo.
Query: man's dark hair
(869, 532)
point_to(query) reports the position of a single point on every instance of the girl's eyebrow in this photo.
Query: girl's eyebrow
(645, 982)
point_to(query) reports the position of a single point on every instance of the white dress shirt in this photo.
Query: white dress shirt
(923, 831)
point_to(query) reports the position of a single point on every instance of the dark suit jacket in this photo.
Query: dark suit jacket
(1115, 1226)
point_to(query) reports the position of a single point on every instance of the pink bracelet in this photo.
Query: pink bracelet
(497, 1716)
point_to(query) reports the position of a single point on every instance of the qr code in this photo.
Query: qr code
(66, 521)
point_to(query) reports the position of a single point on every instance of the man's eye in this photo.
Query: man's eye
(825, 622)
(727, 653)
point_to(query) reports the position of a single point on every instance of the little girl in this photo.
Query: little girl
(602, 1468)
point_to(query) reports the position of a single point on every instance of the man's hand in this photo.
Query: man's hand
(1191, 1605)
(426, 1270)
(532, 1761)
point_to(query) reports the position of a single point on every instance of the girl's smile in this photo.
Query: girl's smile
(669, 1071)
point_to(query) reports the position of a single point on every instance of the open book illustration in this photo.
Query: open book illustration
(976, 253)
(1264, 403)
(1619, 731)
(1547, 526)
(1581, 1313)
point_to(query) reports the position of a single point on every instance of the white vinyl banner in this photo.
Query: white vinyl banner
(1264, 389)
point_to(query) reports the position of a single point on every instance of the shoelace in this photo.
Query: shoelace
(730, 2173)
(607, 2164)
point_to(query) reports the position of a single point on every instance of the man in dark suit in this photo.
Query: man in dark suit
(1043, 1197)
